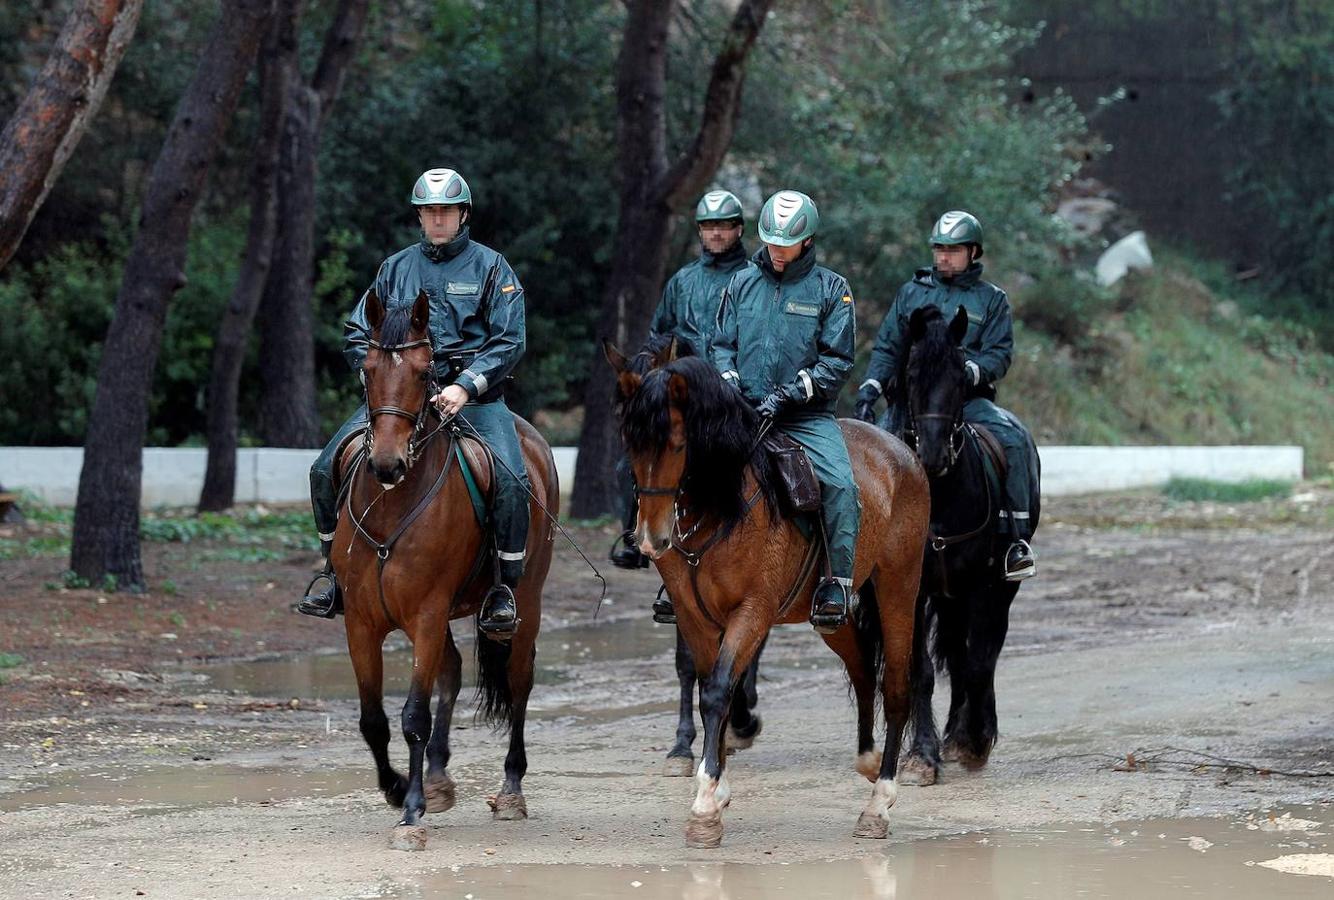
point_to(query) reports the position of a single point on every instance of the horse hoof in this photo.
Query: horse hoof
(440, 794)
(918, 771)
(970, 760)
(871, 827)
(949, 751)
(397, 794)
(736, 741)
(408, 837)
(508, 808)
(678, 766)
(704, 832)
(868, 765)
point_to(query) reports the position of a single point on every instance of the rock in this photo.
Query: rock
(1131, 252)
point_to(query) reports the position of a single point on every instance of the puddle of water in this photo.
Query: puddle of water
(176, 787)
(330, 676)
(1164, 859)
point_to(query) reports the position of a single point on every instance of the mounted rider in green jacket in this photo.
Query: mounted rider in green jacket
(956, 281)
(785, 338)
(688, 311)
(478, 334)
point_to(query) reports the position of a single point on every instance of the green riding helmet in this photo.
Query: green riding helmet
(788, 218)
(441, 187)
(718, 206)
(958, 227)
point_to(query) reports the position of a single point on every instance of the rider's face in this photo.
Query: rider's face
(781, 257)
(440, 223)
(952, 259)
(716, 237)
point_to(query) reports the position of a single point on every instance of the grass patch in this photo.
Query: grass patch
(1198, 489)
(10, 660)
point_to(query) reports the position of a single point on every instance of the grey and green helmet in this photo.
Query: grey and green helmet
(440, 187)
(718, 206)
(958, 227)
(788, 218)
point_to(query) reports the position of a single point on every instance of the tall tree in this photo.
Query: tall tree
(652, 189)
(106, 515)
(288, 413)
(65, 96)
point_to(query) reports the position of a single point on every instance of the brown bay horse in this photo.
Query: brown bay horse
(411, 555)
(734, 566)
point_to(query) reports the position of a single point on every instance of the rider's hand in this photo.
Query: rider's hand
(771, 405)
(450, 400)
(866, 398)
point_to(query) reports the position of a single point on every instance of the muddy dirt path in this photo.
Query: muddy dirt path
(199, 779)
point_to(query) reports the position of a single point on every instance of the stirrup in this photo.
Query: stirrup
(825, 620)
(325, 604)
(505, 627)
(663, 611)
(1026, 567)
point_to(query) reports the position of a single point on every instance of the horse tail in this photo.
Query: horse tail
(949, 637)
(870, 639)
(495, 700)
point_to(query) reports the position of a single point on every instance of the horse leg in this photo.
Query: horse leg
(509, 804)
(428, 640)
(986, 637)
(895, 592)
(681, 758)
(745, 724)
(719, 673)
(440, 788)
(952, 623)
(364, 646)
(922, 764)
(858, 650)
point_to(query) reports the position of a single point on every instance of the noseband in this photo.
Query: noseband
(419, 418)
(956, 433)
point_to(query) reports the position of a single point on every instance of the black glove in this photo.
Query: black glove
(771, 406)
(866, 398)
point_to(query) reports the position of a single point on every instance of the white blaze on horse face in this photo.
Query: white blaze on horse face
(398, 358)
(712, 796)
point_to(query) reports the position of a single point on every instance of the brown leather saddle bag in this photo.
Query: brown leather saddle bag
(799, 489)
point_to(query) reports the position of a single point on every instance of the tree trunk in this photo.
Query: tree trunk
(48, 123)
(288, 413)
(106, 515)
(651, 192)
(277, 68)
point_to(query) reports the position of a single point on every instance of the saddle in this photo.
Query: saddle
(474, 464)
(799, 489)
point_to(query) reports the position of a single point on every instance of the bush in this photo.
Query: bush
(1198, 489)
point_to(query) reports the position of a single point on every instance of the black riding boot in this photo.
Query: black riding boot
(663, 611)
(829, 608)
(625, 555)
(329, 602)
(499, 618)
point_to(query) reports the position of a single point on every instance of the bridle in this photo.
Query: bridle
(420, 418)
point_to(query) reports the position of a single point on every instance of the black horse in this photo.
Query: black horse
(963, 608)
(743, 724)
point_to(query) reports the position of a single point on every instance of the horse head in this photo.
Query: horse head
(690, 436)
(399, 374)
(937, 386)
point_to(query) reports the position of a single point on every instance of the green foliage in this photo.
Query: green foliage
(1199, 489)
(10, 660)
(1282, 101)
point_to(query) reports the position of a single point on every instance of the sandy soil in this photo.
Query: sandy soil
(1156, 634)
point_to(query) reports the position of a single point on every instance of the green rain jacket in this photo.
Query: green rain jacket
(793, 332)
(477, 311)
(689, 305)
(988, 342)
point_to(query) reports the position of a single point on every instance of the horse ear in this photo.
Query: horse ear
(615, 357)
(959, 326)
(628, 383)
(677, 390)
(421, 311)
(673, 350)
(917, 324)
(374, 310)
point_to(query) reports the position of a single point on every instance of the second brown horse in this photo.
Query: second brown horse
(734, 566)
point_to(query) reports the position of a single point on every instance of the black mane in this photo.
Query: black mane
(396, 326)
(933, 356)
(720, 431)
(653, 349)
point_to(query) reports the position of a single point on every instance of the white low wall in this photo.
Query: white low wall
(173, 476)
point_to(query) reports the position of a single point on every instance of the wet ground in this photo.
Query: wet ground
(1164, 699)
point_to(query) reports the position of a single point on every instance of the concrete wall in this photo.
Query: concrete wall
(173, 476)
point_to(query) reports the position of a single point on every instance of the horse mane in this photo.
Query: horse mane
(397, 325)
(720, 431)
(935, 355)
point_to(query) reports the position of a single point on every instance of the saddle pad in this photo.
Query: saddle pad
(992, 449)
(467, 460)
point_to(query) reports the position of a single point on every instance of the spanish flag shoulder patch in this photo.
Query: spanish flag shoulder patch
(507, 289)
(847, 298)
